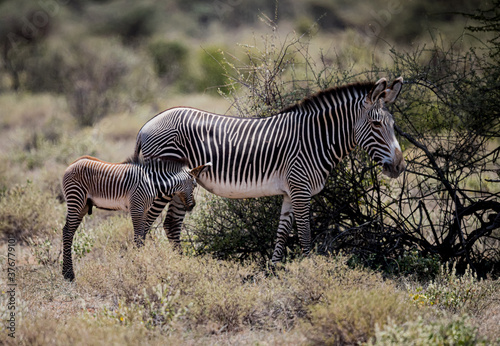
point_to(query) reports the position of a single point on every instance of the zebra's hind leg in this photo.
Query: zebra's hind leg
(74, 217)
(284, 229)
(173, 222)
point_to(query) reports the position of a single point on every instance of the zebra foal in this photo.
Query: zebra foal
(141, 187)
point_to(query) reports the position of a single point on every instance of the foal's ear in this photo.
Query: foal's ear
(393, 91)
(378, 90)
(200, 169)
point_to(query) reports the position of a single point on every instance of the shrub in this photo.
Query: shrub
(213, 73)
(250, 238)
(129, 22)
(27, 211)
(456, 293)
(169, 59)
(94, 75)
(20, 39)
(352, 316)
(45, 71)
(44, 249)
(421, 332)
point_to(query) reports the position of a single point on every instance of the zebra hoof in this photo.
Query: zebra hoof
(70, 276)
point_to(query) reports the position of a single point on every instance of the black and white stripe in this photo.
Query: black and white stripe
(142, 188)
(288, 154)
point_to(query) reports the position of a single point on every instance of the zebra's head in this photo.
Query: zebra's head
(187, 186)
(375, 128)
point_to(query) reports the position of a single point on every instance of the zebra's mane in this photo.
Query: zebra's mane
(174, 162)
(360, 87)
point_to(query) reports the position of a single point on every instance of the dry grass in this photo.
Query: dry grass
(152, 295)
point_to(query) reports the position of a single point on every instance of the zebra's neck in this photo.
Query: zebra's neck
(328, 121)
(164, 174)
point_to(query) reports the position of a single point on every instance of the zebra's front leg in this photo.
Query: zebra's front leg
(137, 214)
(301, 209)
(154, 211)
(173, 222)
(284, 229)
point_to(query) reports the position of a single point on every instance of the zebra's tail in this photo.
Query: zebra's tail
(138, 146)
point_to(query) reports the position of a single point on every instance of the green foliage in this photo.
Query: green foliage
(131, 23)
(45, 70)
(169, 58)
(412, 263)
(44, 250)
(236, 229)
(454, 292)
(421, 332)
(213, 73)
(83, 242)
(157, 309)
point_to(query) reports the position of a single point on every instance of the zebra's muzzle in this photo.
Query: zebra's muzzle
(396, 167)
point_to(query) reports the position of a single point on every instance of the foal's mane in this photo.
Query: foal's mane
(360, 87)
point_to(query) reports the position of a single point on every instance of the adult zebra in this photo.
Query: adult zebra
(289, 154)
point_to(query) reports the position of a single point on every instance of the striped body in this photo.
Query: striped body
(141, 188)
(289, 154)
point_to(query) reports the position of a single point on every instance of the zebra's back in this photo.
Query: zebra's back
(249, 155)
(107, 185)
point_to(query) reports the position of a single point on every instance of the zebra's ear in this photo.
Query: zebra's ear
(393, 91)
(378, 90)
(200, 169)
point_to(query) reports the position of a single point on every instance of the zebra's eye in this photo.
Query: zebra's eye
(376, 123)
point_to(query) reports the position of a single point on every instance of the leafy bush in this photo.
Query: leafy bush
(45, 70)
(129, 22)
(413, 264)
(352, 316)
(169, 59)
(43, 250)
(20, 39)
(83, 242)
(213, 73)
(94, 73)
(26, 211)
(456, 293)
(250, 238)
(421, 332)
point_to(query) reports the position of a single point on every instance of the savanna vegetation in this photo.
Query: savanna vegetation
(408, 261)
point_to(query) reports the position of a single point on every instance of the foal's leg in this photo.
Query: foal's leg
(76, 212)
(154, 211)
(137, 213)
(173, 222)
